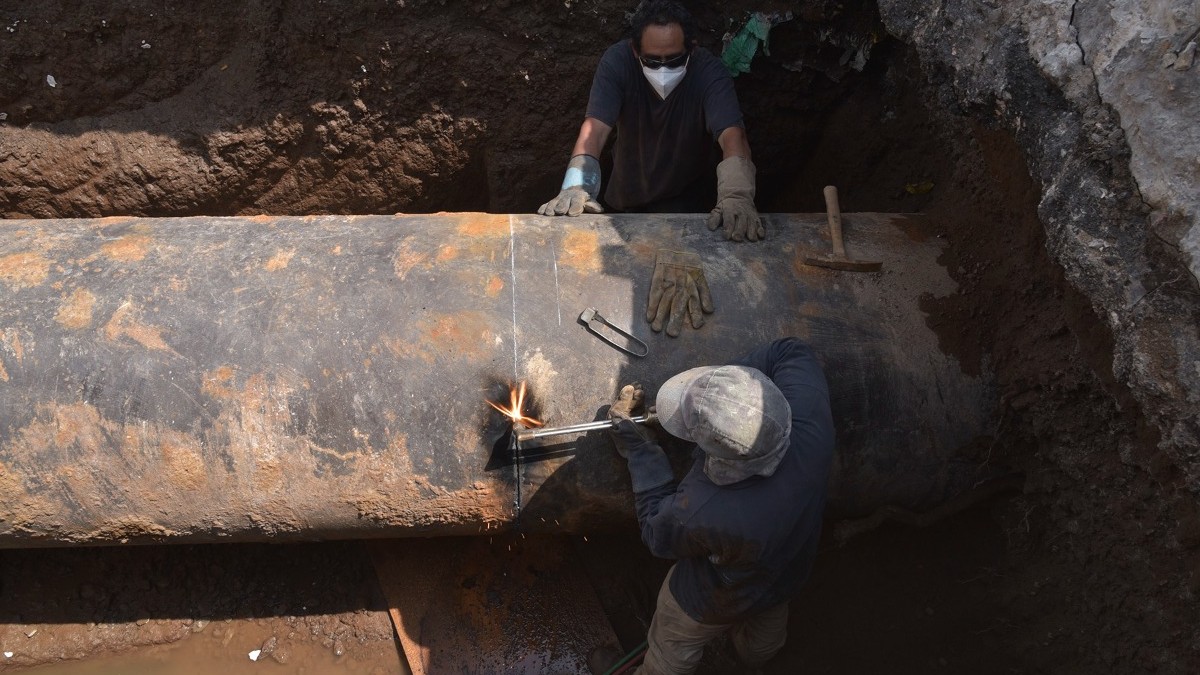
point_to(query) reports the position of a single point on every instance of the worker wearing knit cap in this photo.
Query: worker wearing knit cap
(744, 522)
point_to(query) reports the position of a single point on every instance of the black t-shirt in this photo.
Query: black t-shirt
(661, 147)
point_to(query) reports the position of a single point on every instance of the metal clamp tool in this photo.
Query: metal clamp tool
(590, 316)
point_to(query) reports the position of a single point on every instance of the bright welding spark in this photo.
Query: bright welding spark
(515, 411)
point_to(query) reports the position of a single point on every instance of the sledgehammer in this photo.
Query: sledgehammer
(838, 260)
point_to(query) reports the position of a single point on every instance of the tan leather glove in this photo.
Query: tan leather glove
(678, 287)
(735, 201)
(580, 187)
(626, 433)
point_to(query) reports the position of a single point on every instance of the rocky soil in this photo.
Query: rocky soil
(1053, 142)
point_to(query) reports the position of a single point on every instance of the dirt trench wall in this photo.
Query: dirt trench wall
(1112, 495)
(1024, 65)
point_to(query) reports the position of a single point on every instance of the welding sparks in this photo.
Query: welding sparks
(515, 411)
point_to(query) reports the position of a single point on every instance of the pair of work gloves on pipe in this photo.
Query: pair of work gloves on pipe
(649, 467)
(734, 212)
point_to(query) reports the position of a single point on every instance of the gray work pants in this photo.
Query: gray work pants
(676, 640)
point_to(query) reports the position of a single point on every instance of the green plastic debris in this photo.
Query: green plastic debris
(740, 50)
(918, 188)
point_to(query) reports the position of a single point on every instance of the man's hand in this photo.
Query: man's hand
(628, 403)
(735, 210)
(678, 287)
(580, 187)
(627, 433)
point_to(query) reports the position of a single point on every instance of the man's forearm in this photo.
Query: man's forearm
(734, 143)
(593, 134)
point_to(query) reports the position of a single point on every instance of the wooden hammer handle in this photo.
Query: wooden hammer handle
(834, 213)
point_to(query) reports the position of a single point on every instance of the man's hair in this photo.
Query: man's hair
(661, 13)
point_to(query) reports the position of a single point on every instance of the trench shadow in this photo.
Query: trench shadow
(210, 582)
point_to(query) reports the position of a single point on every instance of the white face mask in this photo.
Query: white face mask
(664, 80)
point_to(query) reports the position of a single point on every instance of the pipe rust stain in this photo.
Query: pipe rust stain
(10, 342)
(581, 250)
(404, 349)
(269, 474)
(76, 310)
(129, 248)
(406, 258)
(463, 335)
(482, 224)
(124, 323)
(79, 424)
(215, 383)
(24, 270)
(280, 260)
(494, 286)
(16, 504)
(183, 461)
(447, 253)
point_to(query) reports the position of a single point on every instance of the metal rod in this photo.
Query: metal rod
(530, 434)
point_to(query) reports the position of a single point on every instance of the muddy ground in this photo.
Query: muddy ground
(209, 108)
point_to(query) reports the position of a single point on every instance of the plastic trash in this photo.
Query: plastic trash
(740, 49)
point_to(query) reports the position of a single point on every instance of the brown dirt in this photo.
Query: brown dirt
(210, 108)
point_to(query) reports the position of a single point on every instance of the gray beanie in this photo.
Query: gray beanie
(735, 414)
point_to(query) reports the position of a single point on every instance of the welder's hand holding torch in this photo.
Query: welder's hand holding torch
(625, 432)
(649, 468)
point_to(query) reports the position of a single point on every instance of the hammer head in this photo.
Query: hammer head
(834, 262)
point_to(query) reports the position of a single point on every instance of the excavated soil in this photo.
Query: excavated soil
(211, 108)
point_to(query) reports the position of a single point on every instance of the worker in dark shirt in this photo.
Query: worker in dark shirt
(673, 107)
(744, 522)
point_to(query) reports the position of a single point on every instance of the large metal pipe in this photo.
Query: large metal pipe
(207, 379)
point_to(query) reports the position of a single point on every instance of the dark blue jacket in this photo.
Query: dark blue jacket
(745, 547)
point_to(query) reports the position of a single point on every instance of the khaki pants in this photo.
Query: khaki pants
(676, 640)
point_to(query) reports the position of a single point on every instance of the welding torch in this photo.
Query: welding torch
(530, 434)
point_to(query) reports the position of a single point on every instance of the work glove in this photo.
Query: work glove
(626, 433)
(580, 187)
(649, 467)
(678, 287)
(735, 201)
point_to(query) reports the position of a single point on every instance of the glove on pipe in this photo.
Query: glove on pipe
(678, 287)
(735, 210)
(580, 187)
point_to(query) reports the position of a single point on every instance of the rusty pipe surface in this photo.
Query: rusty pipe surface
(270, 378)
